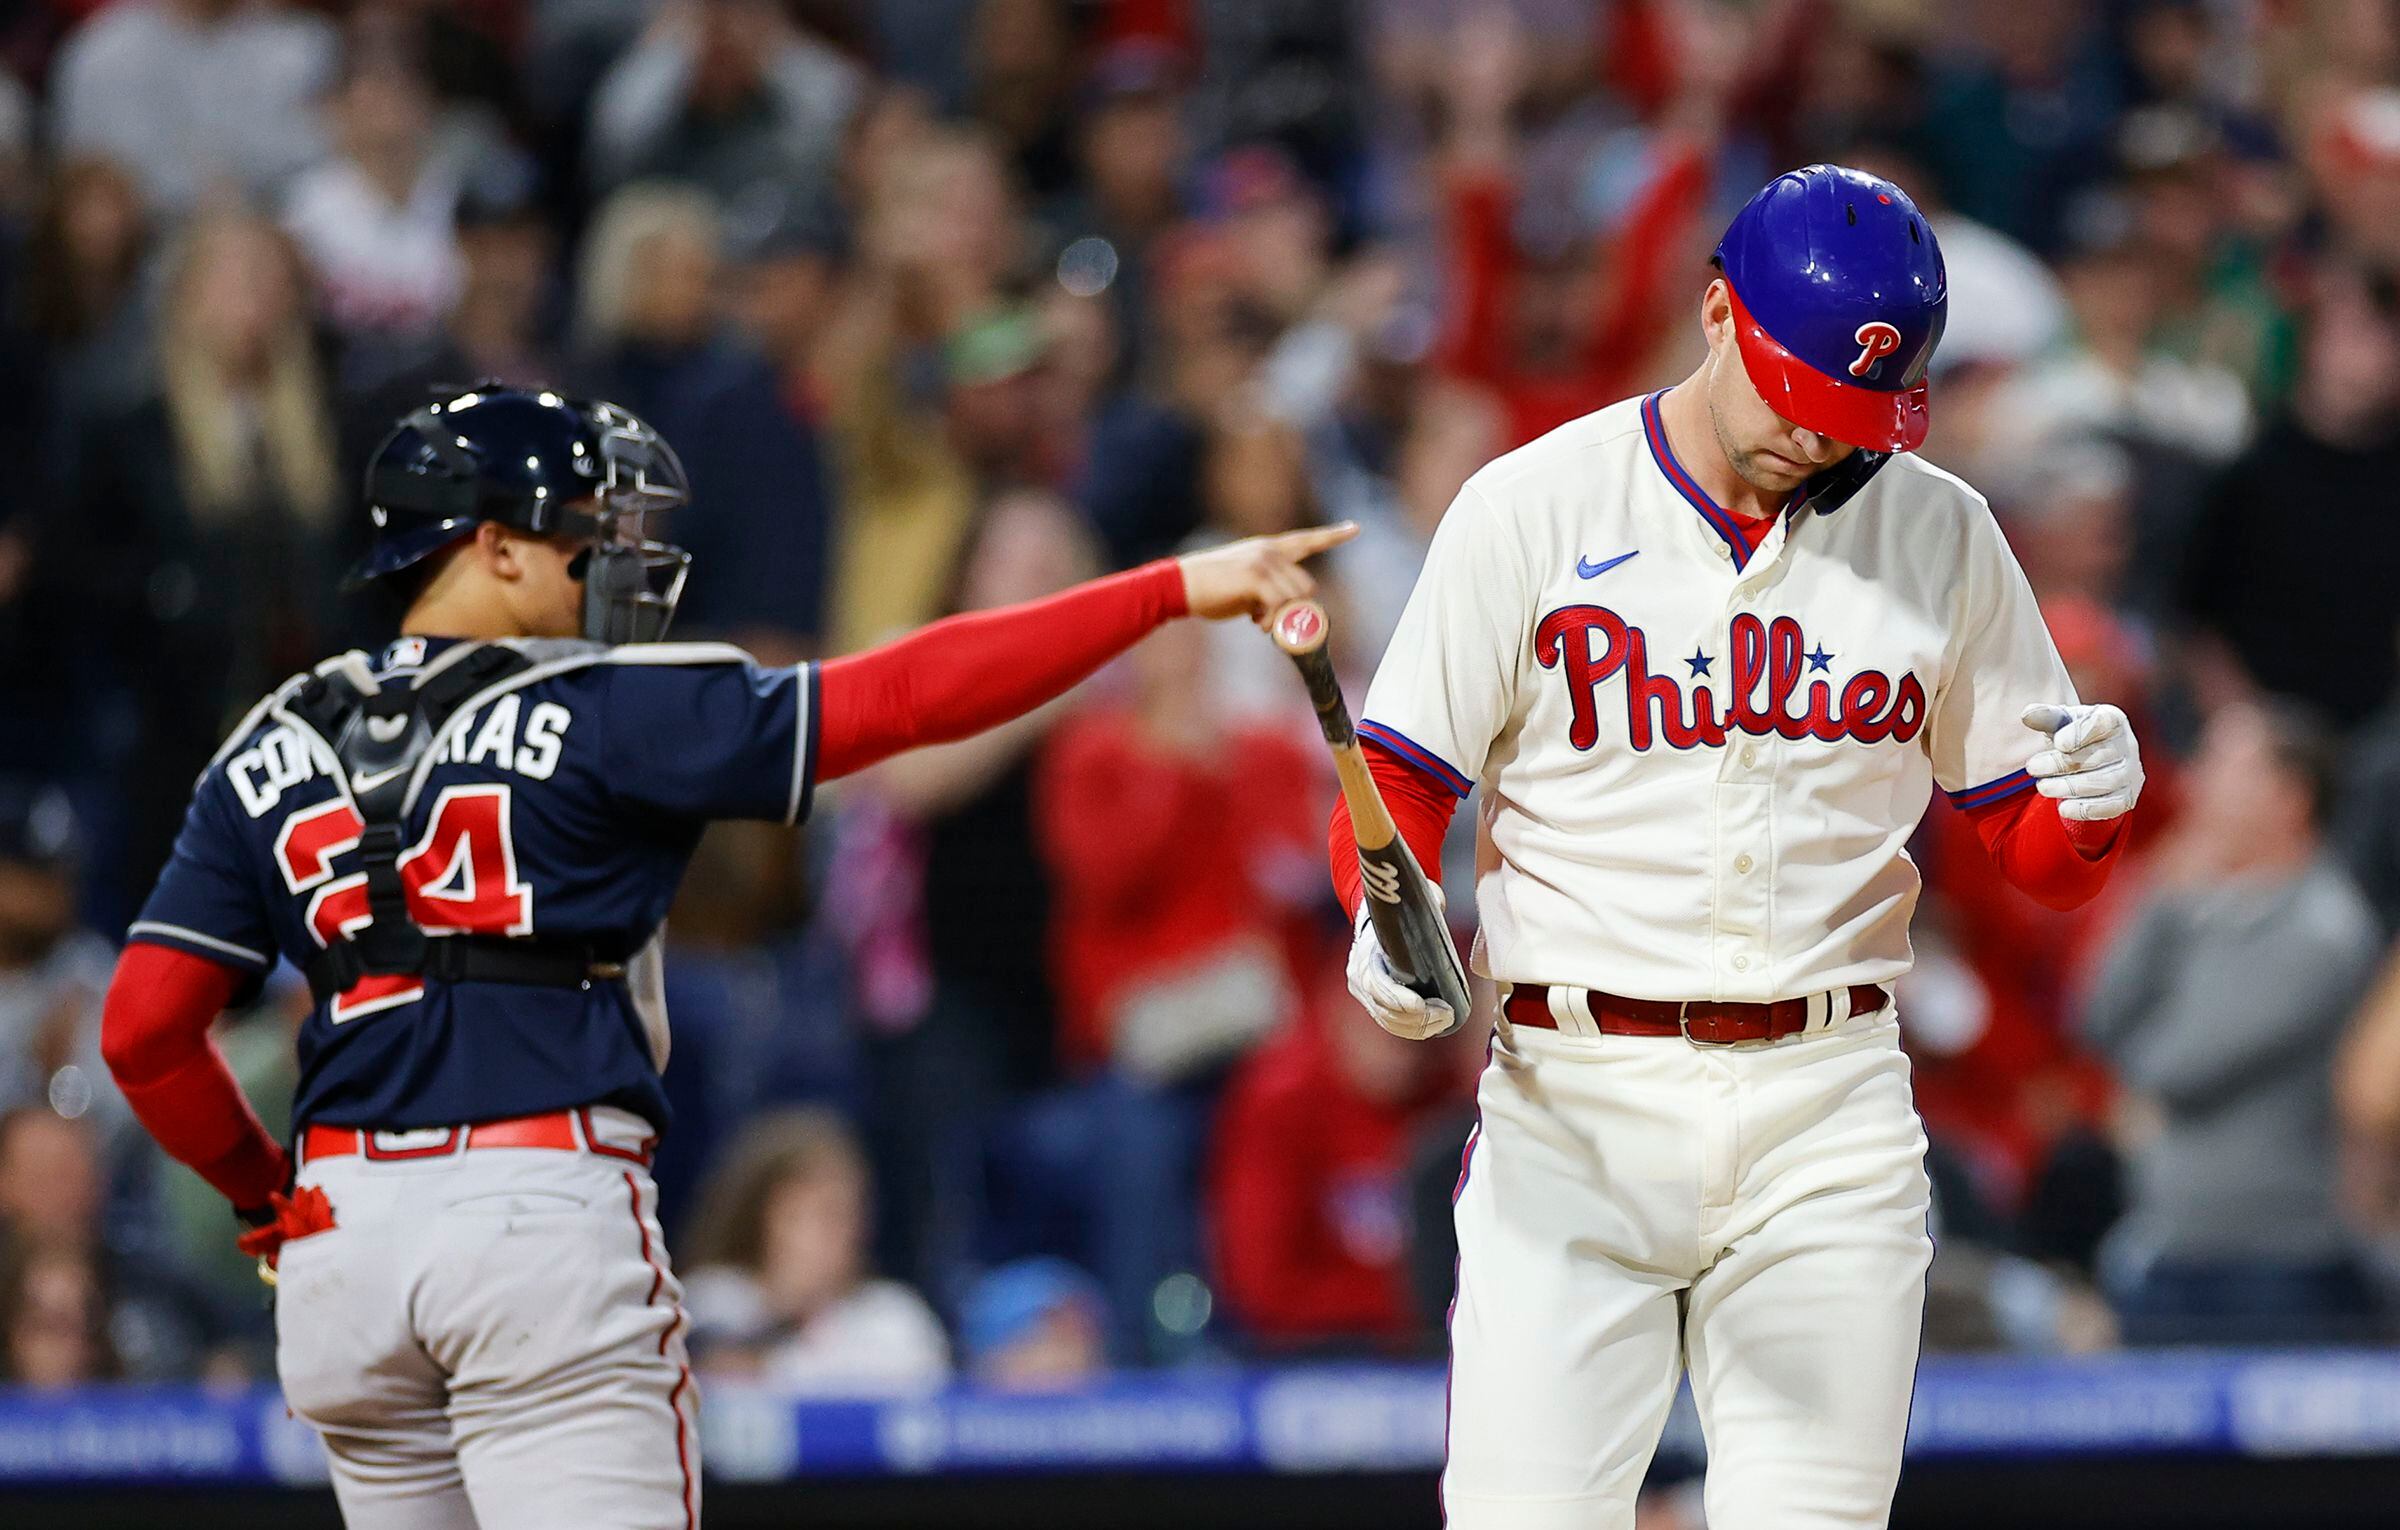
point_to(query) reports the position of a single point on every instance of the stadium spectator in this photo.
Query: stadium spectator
(506, 320)
(2279, 616)
(2220, 1007)
(1020, 86)
(52, 973)
(927, 374)
(2367, 829)
(2069, 520)
(2015, 118)
(1036, 1325)
(82, 296)
(755, 989)
(1553, 319)
(645, 296)
(2366, 1089)
(722, 95)
(376, 219)
(195, 551)
(1311, 1216)
(780, 1285)
(51, 1186)
(750, 431)
(53, 1316)
(2118, 377)
(195, 96)
(1162, 981)
(1141, 481)
(947, 914)
(52, 1192)
(1131, 145)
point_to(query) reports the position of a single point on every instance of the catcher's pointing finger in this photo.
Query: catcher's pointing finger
(1256, 576)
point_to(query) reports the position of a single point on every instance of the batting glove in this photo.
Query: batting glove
(2093, 766)
(1396, 1007)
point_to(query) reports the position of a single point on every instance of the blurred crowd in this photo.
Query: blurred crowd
(1031, 1056)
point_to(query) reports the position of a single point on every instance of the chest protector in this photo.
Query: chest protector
(382, 733)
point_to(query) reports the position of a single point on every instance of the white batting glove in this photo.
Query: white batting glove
(1396, 1007)
(2093, 766)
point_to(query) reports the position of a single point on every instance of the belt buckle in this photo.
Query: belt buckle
(1683, 1023)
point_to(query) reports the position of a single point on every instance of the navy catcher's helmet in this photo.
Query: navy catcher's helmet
(545, 464)
(1838, 301)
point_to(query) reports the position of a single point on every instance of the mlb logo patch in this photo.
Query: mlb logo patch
(405, 653)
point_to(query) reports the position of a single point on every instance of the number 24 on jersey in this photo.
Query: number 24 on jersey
(460, 878)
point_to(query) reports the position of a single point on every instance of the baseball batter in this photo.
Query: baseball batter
(1709, 653)
(468, 842)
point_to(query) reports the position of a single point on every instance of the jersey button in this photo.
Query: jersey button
(1749, 758)
(1724, 551)
(1741, 964)
(1742, 864)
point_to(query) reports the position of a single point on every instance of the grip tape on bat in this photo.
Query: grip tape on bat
(1410, 927)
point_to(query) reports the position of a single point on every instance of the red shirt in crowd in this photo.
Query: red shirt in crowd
(1310, 1194)
(1161, 859)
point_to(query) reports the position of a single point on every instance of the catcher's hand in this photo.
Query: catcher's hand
(285, 1217)
(1257, 576)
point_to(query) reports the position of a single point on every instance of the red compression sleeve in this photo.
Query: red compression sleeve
(154, 1036)
(1420, 805)
(2058, 863)
(967, 673)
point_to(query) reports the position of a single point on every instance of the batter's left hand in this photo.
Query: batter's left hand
(2093, 766)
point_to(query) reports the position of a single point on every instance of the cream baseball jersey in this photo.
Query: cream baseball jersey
(1701, 764)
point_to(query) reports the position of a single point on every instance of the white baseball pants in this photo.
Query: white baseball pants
(493, 1340)
(1632, 1206)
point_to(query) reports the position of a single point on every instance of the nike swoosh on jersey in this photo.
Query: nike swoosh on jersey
(369, 783)
(1595, 570)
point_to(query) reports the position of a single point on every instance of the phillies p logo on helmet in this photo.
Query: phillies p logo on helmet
(1876, 340)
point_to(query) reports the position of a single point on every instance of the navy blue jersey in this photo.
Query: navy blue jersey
(564, 800)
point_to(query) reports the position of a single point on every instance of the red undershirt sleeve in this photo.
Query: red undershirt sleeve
(2058, 863)
(964, 674)
(1420, 804)
(154, 1036)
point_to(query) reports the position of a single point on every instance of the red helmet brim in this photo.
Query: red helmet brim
(1868, 418)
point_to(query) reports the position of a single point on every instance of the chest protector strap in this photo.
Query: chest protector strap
(380, 733)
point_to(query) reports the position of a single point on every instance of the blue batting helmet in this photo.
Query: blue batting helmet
(1838, 301)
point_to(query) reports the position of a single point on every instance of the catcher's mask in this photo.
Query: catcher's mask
(584, 471)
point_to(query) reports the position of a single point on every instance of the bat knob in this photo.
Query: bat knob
(1299, 628)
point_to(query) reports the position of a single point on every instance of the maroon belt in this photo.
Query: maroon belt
(1705, 1022)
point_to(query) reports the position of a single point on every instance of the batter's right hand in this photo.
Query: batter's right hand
(1257, 576)
(1396, 1007)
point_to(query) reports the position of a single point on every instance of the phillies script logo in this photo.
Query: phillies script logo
(1766, 693)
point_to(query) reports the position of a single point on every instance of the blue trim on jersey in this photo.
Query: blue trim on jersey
(1720, 520)
(1992, 791)
(804, 791)
(1417, 754)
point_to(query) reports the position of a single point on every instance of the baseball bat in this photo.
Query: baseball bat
(1408, 923)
